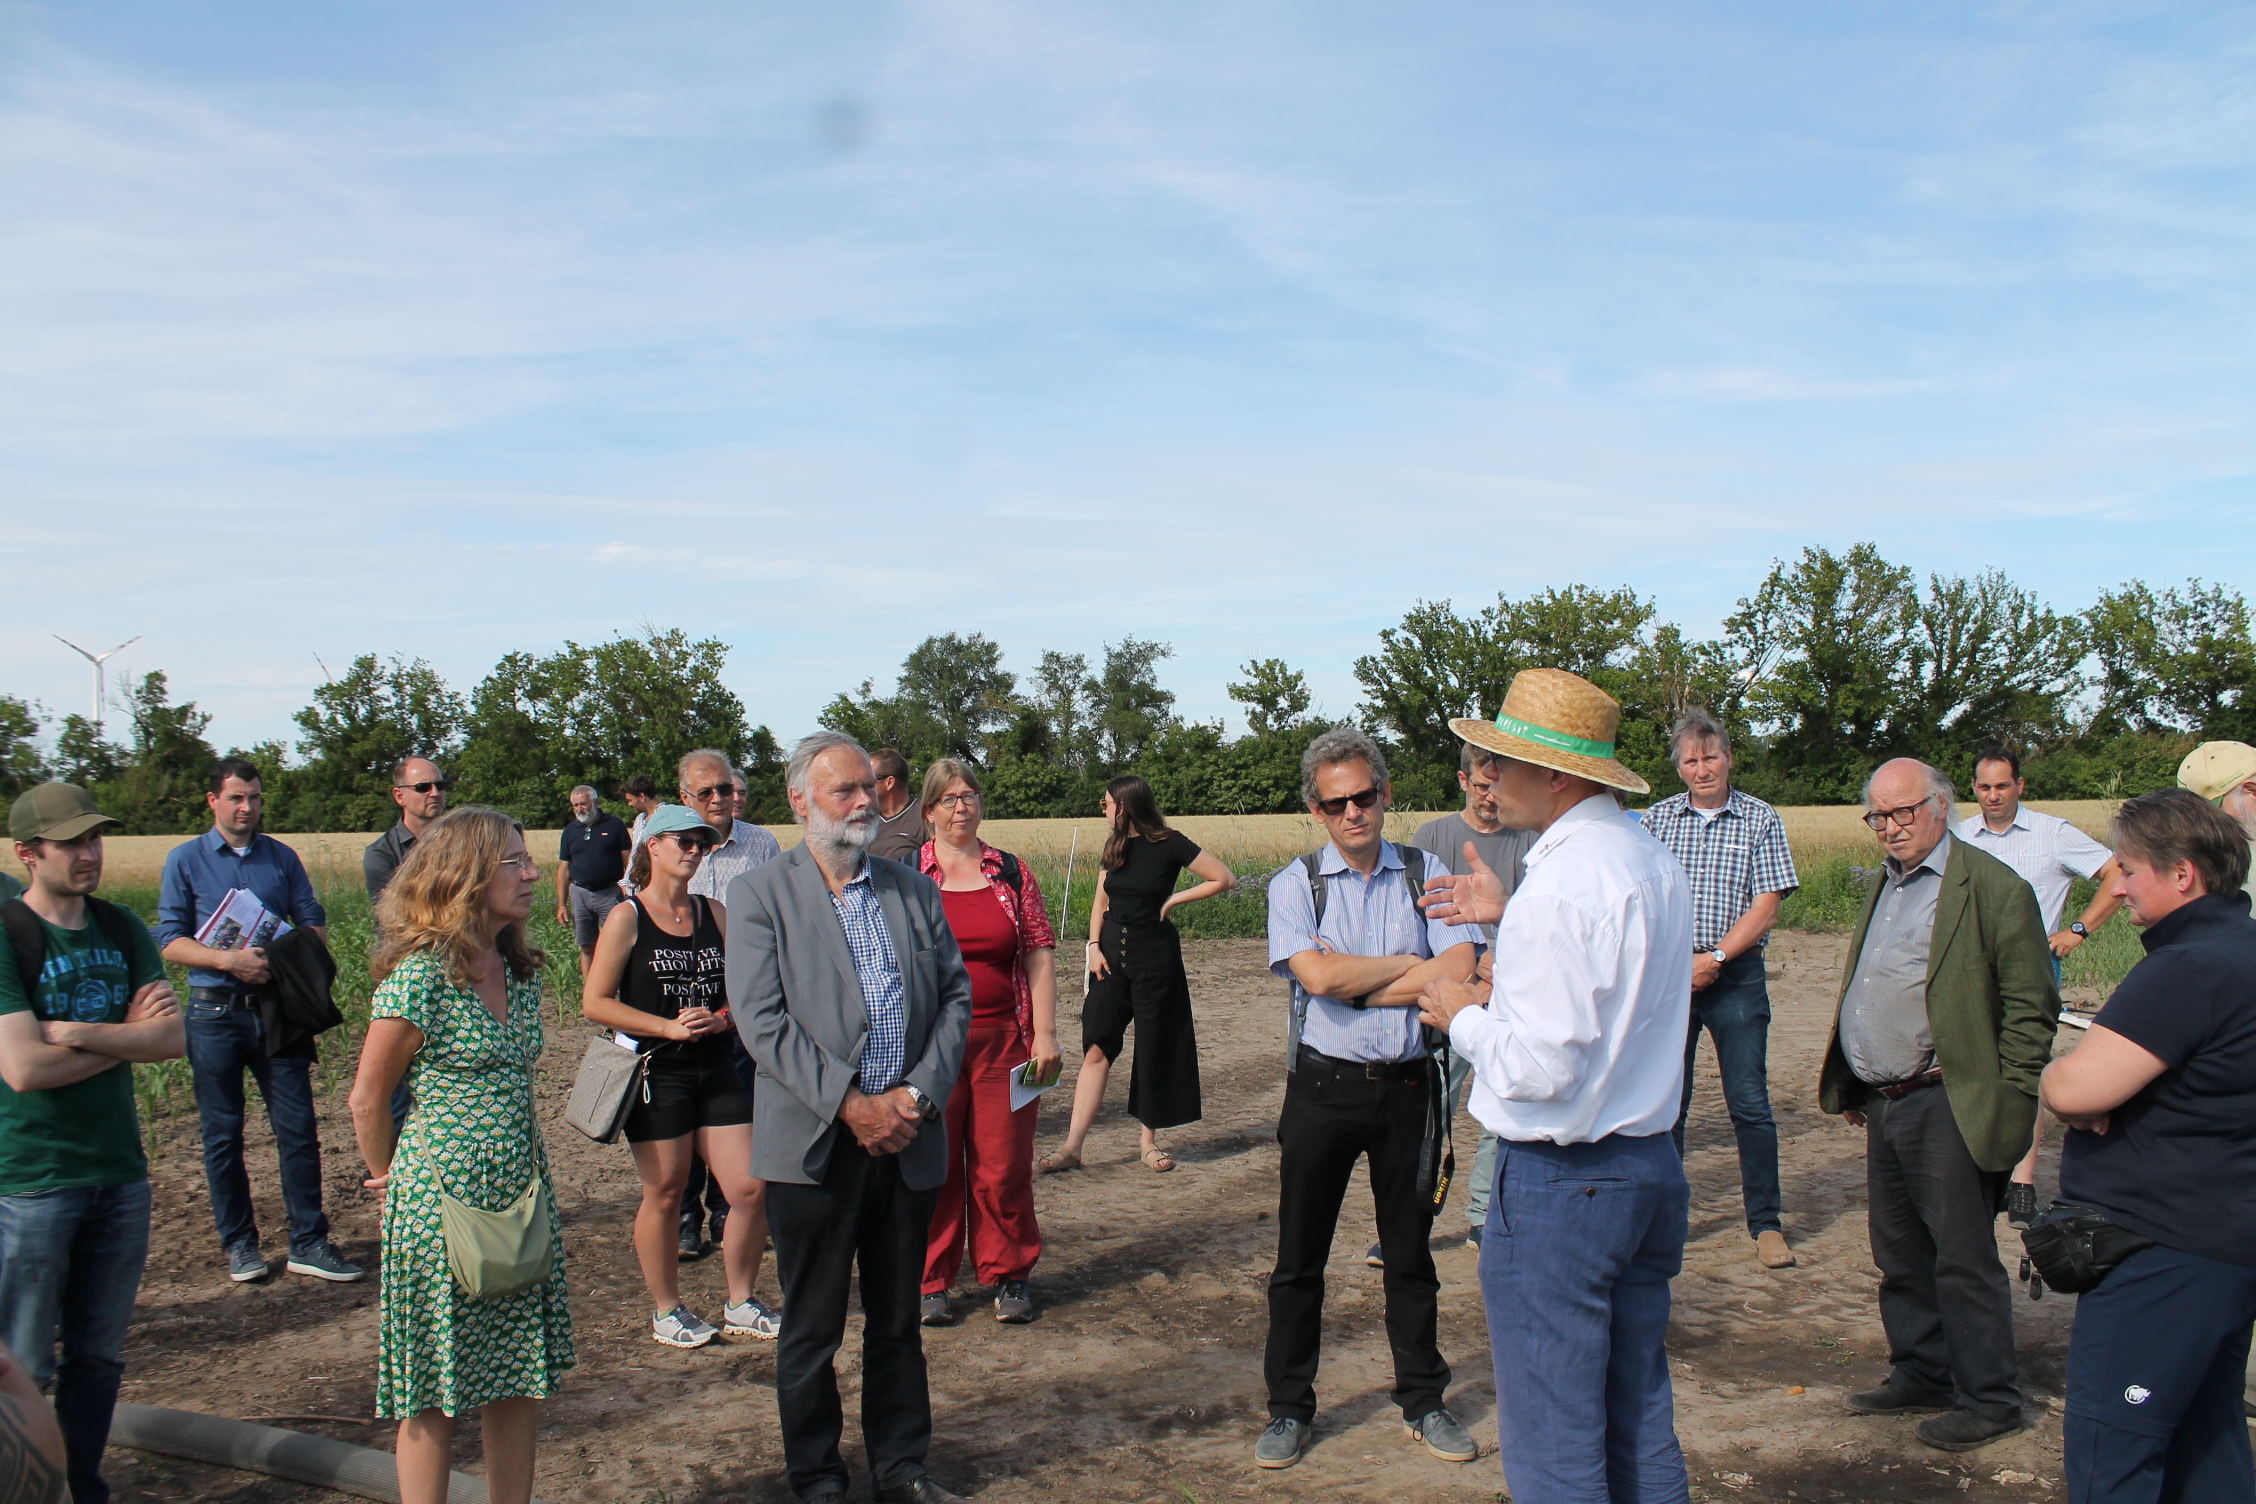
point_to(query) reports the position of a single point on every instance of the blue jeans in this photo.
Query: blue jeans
(1575, 1263)
(222, 1041)
(1736, 1011)
(70, 1266)
(2154, 1380)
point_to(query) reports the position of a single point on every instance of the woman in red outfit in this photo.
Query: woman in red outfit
(995, 911)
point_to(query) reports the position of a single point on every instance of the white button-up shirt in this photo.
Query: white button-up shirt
(1584, 1034)
(747, 847)
(2046, 850)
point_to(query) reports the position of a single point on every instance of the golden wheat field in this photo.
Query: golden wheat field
(1814, 830)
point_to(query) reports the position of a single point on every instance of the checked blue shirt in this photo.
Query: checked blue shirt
(1730, 858)
(883, 994)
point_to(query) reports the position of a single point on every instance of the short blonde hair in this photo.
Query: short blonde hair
(945, 771)
(437, 898)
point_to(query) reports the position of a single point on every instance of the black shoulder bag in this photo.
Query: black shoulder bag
(2073, 1248)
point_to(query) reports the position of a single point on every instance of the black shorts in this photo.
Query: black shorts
(679, 1096)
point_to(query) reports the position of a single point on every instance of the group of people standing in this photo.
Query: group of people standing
(832, 1040)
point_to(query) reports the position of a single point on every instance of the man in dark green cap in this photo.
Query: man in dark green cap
(82, 994)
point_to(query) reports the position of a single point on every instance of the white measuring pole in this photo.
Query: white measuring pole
(1070, 853)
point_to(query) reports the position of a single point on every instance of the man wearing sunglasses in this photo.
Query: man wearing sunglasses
(1361, 1083)
(420, 791)
(1943, 1029)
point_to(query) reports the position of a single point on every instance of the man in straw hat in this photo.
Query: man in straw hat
(1578, 1058)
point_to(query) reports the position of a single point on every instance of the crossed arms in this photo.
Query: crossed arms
(40, 1054)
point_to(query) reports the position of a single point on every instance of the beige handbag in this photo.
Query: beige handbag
(498, 1253)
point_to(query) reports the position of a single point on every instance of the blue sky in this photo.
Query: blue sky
(447, 330)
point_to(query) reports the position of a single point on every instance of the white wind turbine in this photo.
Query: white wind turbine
(97, 659)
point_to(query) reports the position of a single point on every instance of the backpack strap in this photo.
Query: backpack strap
(113, 922)
(28, 938)
(1313, 865)
(1013, 873)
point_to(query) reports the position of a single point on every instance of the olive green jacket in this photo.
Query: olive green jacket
(1991, 1003)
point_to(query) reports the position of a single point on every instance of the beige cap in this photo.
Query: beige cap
(2215, 769)
(55, 812)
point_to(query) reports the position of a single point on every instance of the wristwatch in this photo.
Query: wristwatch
(925, 1106)
(2077, 929)
(1720, 958)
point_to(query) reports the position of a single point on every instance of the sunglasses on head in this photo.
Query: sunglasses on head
(424, 788)
(1337, 807)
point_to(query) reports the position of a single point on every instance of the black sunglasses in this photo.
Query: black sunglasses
(424, 788)
(1337, 807)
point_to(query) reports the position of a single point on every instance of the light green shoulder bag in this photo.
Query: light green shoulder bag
(498, 1253)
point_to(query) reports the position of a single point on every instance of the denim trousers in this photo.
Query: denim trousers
(70, 1266)
(1735, 1009)
(1575, 1263)
(2154, 1377)
(222, 1043)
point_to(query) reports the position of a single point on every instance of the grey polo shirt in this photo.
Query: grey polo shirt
(382, 859)
(1884, 1029)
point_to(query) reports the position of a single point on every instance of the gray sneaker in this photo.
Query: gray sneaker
(1443, 1436)
(932, 1310)
(682, 1327)
(245, 1263)
(322, 1261)
(752, 1318)
(1013, 1306)
(1283, 1442)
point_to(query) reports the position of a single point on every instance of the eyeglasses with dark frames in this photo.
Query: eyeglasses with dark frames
(966, 800)
(1903, 815)
(1334, 808)
(441, 784)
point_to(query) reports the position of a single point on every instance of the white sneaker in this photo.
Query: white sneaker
(752, 1318)
(682, 1327)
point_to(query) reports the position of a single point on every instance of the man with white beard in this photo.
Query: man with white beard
(850, 994)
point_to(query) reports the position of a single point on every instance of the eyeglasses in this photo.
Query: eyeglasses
(957, 801)
(1878, 819)
(690, 843)
(424, 788)
(524, 864)
(716, 791)
(1338, 807)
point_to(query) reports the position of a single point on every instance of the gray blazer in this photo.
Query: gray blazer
(798, 1005)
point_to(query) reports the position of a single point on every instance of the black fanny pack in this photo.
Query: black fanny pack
(2074, 1247)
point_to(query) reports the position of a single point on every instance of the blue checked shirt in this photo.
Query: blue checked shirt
(883, 993)
(1730, 859)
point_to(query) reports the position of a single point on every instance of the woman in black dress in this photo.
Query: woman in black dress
(1136, 975)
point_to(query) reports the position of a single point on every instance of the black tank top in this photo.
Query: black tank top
(668, 973)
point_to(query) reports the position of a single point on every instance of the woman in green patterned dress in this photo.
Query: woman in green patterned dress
(457, 1012)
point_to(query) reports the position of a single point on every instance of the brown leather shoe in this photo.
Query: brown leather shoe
(1770, 1247)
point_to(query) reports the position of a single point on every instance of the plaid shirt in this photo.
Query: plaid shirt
(884, 994)
(1730, 858)
(1027, 915)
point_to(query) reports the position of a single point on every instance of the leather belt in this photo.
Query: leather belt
(223, 996)
(1369, 1070)
(1896, 1091)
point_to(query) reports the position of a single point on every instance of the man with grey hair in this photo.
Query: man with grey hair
(1346, 932)
(1733, 849)
(1944, 1027)
(850, 993)
(711, 785)
(591, 862)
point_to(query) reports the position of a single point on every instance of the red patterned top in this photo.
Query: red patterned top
(1027, 915)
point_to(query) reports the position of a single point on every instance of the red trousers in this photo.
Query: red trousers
(989, 1197)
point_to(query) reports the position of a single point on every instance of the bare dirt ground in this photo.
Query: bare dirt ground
(1141, 1381)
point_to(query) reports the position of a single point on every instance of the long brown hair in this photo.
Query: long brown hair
(437, 899)
(1135, 812)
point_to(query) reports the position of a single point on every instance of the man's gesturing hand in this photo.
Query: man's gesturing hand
(1444, 1000)
(882, 1125)
(1474, 897)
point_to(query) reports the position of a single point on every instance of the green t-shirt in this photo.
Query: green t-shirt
(86, 1133)
(10, 887)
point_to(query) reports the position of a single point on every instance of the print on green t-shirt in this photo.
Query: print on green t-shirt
(86, 1133)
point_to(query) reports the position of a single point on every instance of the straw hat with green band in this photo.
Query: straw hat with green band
(1555, 719)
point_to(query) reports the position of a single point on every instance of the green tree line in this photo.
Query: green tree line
(1832, 663)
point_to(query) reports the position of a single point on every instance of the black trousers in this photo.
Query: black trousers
(1330, 1119)
(1945, 1300)
(861, 1213)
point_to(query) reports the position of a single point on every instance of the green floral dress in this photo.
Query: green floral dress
(472, 1130)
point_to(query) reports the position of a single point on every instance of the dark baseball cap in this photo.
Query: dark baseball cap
(55, 812)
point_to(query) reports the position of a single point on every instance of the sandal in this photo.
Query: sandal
(1056, 1160)
(1160, 1158)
